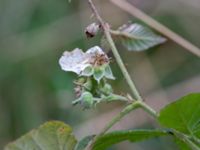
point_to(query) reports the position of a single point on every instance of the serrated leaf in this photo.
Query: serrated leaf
(136, 37)
(183, 115)
(53, 135)
(84, 142)
(109, 139)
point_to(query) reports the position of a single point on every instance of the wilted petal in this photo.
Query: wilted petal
(75, 61)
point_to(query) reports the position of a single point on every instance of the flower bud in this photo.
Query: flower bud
(91, 30)
(87, 100)
(107, 89)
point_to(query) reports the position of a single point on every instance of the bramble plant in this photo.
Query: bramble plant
(179, 119)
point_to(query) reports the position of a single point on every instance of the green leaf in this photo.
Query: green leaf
(132, 135)
(53, 135)
(136, 37)
(183, 115)
(84, 142)
(182, 145)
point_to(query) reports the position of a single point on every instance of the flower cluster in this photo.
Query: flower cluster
(93, 70)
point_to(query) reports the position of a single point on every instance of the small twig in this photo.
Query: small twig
(124, 5)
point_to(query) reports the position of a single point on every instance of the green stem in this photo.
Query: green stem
(134, 105)
(124, 112)
(117, 118)
(122, 66)
(185, 139)
(115, 53)
(127, 110)
(149, 110)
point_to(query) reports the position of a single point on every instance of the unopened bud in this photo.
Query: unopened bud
(92, 29)
(87, 100)
(107, 89)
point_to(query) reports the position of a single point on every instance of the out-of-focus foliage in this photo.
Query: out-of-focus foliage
(49, 136)
(33, 35)
(136, 37)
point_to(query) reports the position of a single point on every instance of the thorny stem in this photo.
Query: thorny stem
(136, 104)
(124, 5)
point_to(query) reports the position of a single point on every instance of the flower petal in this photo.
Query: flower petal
(75, 61)
(95, 50)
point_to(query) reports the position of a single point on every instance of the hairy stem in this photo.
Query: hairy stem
(115, 52)
(127, 110)
(124, 112)
(130, 107)
(124, 5)
(117, 118)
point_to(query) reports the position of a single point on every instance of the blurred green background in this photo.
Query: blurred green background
(33, 88)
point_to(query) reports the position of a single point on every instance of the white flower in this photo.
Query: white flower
(76, 60)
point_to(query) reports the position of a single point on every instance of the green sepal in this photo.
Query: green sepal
(99, 73)
(107, 89)
(108, 73)
(88, 84)
(88, 71)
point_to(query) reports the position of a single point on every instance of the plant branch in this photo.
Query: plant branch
(124, 112)
(127, 110)
(149, 110)
(115, 52)
(117, 118)
(130, 107)
(124, 5)
(185, 139)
